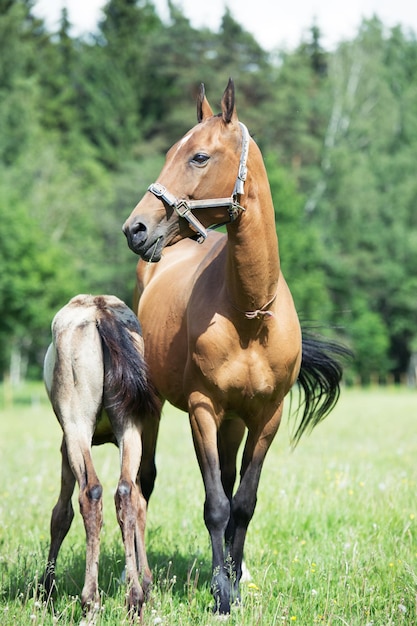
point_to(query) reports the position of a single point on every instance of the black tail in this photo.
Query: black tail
(320, 376)
(126, 379)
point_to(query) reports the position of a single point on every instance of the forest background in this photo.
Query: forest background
(84, 126)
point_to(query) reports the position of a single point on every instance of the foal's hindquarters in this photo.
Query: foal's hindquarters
(96, 380)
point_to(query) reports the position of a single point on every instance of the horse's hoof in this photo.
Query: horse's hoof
(46, 588)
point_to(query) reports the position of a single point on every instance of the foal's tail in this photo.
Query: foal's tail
(126, 378)
(320, 376)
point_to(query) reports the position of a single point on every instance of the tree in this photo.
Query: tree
(300, 247)
(34, 282)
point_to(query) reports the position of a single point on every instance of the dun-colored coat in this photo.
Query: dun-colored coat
(97, 383)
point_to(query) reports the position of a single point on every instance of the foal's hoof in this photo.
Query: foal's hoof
(135, 602)
(90, 614)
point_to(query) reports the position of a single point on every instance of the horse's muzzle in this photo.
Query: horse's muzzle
(141, 242)
(136, 234)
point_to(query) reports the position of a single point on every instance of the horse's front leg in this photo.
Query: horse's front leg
(61, 519)
(230, 435)
(257, 445)
(229, 438)
(204, 424)
(131, 515)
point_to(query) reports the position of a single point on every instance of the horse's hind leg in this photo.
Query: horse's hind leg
(131, 515)
(147, 473)
(91, 509)
(90, 501)
(61, 519)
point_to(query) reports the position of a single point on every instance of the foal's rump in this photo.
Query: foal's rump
(96, 359)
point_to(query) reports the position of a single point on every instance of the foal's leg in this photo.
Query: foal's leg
(203, 422)
(91, 509)
(131, 515)
(78, 437)
(61, 519)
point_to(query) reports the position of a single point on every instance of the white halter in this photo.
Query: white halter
(184, 208)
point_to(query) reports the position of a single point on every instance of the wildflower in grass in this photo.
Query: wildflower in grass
(293, 618)
(253, 587)
(412, 516)
(402, 608)
(314, 592)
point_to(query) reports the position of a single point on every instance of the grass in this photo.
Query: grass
(333, 539)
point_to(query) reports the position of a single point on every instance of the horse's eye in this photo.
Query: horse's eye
(200, 158)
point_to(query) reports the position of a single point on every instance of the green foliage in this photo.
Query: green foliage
(84, 123)
(301, 250)
(370, 337)
(34, 280)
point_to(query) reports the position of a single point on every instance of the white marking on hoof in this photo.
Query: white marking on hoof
(246, 575)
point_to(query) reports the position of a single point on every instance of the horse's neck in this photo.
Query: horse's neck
(253, 260)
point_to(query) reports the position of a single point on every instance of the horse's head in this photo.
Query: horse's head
(199, 186)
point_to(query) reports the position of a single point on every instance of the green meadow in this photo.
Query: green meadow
(333, 539)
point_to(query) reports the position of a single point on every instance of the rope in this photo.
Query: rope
(258, 313)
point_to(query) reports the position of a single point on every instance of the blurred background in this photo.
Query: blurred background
(87, 115)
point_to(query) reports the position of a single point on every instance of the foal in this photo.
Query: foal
(96, 380)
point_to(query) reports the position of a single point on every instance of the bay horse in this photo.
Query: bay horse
(222, 337)
(96, 380)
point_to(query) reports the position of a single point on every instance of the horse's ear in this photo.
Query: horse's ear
(228, 102)
(203, 108)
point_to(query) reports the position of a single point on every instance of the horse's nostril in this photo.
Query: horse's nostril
(130, 230)
(138, 227)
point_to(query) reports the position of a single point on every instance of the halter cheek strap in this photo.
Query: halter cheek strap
(184, 208)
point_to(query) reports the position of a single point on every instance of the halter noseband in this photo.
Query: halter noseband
(184, 208)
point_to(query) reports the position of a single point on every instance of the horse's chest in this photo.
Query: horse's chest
(227, 366)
